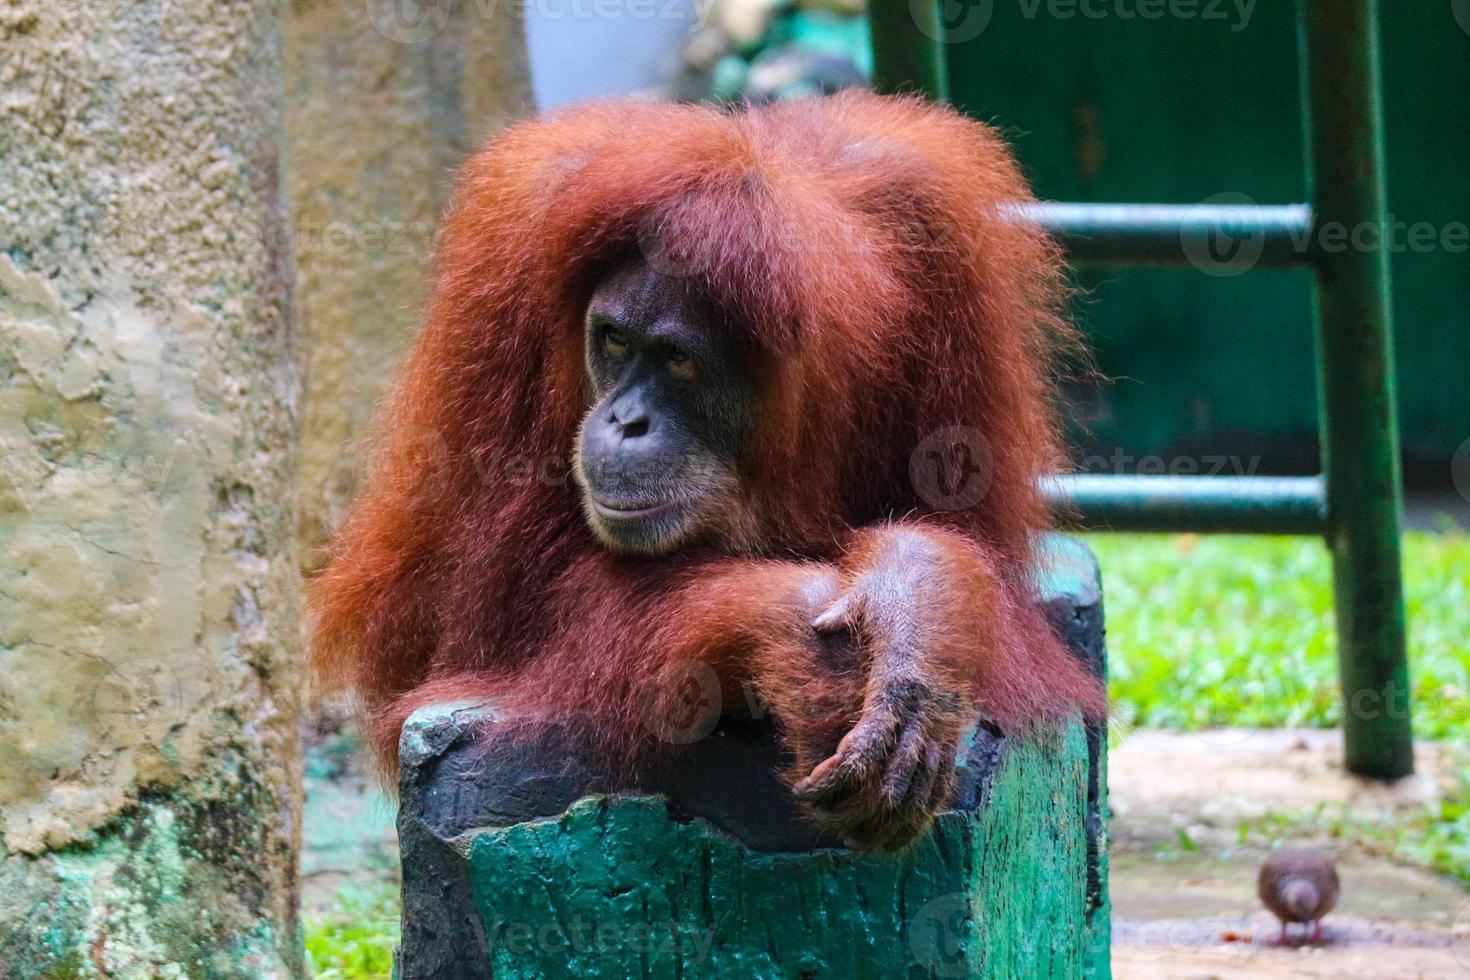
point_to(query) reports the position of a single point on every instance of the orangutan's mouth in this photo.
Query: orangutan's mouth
(629, 512)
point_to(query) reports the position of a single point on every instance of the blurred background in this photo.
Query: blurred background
(194, 200)
(1202, 374)
(1222, 648)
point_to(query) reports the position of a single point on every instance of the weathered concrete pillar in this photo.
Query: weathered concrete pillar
(385, 99)
(148, 415)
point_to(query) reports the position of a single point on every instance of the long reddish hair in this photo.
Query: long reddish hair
(864, 244)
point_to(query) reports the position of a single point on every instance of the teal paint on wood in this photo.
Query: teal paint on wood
(1070, 586)
(1068, 572)
(616, 887)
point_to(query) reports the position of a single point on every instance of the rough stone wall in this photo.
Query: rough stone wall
(385, 98)
(149, 402)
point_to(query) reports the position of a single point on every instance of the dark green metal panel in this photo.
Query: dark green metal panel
(1190, 110)
(1356, 380)
(1102, 109)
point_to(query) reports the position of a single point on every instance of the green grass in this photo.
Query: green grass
(1213, 631)
(354, 938)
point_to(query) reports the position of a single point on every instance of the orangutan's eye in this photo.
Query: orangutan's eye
(614, 341)
(681, 365)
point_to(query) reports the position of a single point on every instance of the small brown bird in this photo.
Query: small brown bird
(1299, 886)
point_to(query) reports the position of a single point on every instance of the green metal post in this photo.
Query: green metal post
(1342, 89)
(908, 47)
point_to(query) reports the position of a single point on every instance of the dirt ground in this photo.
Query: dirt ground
(1183, 882)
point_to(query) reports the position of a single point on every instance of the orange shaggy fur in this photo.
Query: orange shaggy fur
(864, 243)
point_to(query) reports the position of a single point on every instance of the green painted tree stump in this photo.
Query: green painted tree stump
(519, 863)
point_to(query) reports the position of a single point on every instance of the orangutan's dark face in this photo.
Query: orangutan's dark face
(674, 402)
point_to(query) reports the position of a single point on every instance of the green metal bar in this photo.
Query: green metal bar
(1208, 504)
(1178, 234)
(1342, 86)
(908, 49)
